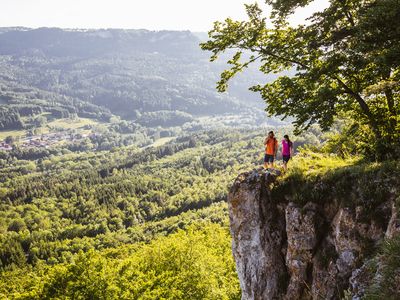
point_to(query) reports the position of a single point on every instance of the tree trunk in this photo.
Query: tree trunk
(392, 111)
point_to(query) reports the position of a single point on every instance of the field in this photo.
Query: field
(71, 123)
(160, 142)
(13, 133)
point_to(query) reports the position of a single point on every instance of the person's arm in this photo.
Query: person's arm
(276, 147)
(266, 140)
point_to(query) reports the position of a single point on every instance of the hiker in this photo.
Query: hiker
(287, 150)
(271, 148)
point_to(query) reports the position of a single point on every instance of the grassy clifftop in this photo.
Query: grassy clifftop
(318, 177)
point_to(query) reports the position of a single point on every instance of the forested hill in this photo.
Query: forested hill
(100, 73)
(56, 42)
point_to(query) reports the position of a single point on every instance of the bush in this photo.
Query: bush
(386, 284)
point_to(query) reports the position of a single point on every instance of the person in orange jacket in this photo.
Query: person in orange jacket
(271, 148)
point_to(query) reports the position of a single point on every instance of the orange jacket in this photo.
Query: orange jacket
(271, 146)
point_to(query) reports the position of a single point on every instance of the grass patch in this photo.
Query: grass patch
(160, 142)
(317, 178)
(314, 164)
(72, 123)
(13, 133)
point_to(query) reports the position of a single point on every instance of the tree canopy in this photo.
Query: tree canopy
(343, 62)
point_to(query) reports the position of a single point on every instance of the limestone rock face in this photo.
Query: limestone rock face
(256, 247)
(284, 250)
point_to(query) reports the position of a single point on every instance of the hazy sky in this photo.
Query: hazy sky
(194, 15)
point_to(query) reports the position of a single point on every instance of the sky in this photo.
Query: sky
(193, 15)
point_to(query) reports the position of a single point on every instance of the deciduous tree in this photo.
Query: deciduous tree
(345, 60)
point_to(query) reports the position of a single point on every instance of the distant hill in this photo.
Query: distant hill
(100, 73)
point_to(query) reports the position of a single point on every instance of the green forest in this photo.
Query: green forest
(63, 213)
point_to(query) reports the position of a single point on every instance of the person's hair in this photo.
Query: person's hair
(270, 132)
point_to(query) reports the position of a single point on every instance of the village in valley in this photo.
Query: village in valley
(5, 146)
(52, 134)
(43, 140)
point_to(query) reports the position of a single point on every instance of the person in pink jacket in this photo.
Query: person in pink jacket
(287, 150)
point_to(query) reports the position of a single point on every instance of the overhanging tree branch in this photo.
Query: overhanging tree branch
(266, 52)
(363, 105)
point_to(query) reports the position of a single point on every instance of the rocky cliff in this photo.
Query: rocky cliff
(293, 244)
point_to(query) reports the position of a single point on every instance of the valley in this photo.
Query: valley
(131, 169)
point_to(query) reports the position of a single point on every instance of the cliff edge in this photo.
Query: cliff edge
(310, 240)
